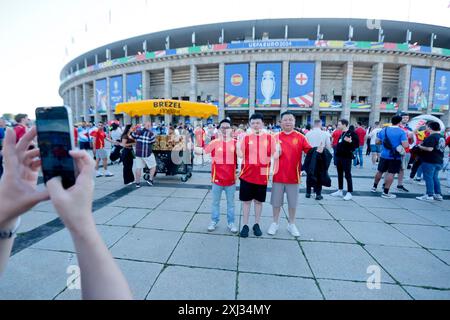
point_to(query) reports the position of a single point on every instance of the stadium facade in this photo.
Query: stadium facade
(362, 70)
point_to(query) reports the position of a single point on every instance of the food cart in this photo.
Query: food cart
(173, 154)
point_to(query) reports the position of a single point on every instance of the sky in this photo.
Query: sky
(38, 37)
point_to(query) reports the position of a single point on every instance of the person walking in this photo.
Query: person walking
(375, 148)
(145, 139)
(361, 132)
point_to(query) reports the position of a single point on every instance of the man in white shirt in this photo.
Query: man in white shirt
(375, 149)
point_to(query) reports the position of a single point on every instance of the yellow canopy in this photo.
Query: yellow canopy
(162, 106)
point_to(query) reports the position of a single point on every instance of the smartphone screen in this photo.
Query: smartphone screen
(55, 140)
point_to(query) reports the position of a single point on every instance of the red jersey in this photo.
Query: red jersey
(336, 136)
(75, 136)
(361, 135)
(99, 136)
(20, 131)
(288, 167)
(257, 150)
(223, 168)
(199, 137)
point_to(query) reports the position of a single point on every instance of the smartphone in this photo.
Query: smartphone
(55, 140)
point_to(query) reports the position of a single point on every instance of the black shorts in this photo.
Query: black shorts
(389, 165)
(250, 191)
(85, 145)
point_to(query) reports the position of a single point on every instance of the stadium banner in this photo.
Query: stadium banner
(115, 91)
(268, 84)
(419, 88)
(360, 106)
(100, 96)
(330, 105)
(389, 106)
(134, 86)
(441, 98)
(237, 85)
(301, 84)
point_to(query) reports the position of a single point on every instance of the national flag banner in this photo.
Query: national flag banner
(219, 47)
(301, 84)
(183, 50)
(390, 46)
(237, 85)
(377, 45)
(350, 44)
(268, 84)
(160, 53)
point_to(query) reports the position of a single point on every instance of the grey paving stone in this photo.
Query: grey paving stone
(166, 220)
(399, 216)
(105, 214)
(209, 251)
(268, 287)
(312, 212)
(183, 283)
(35, 275)
(340, 261)
(428, 294)
(431, 237)
(414, 204)
(376, 202)
(347, 290)
(438, 216)
(322, 230)
(200, 222)
(277, 257)
(129, 217)
(173, 204)
(412, 266)
(377, 233)
(190, 193)
(162, 192)
(338, 202)
(351, 213)
(146, 245)
(33, 219)
(444, 255)
(132, 201)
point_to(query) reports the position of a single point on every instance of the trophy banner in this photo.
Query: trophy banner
(268, 85)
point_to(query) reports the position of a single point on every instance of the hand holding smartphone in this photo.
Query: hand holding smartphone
(55, 140)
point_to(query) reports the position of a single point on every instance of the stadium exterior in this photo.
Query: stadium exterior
(363, 70)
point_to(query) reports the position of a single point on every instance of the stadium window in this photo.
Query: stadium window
(337, 98)
(185, 98)
(384, 100)
(324, 98)
(362, 99)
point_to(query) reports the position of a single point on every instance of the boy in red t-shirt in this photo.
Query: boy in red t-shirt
(223, 174)
(336, 135)
(100, 153)
(256, 149)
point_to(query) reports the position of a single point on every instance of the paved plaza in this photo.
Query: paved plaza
(159, 239)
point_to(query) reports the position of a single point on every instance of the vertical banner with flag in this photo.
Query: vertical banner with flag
(268, 84)
(419, 88)
(441, 99)
(100, 95)
(236, 85)
(115, 91)
(134, 86)
(301, 84)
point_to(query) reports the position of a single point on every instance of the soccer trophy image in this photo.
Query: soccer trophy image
(268, 86)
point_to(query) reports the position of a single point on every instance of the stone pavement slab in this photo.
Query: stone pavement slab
(428, 294)
(129, 217)
(105, 214)
(166, 220)
(132, 201)
(431, 237)
(312, 212)
(437, 216)
(34, 219)
(351, 214)
(323, 230)
(181, 204)
(401, 216)
(443, 255)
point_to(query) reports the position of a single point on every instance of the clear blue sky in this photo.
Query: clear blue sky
(35, 33)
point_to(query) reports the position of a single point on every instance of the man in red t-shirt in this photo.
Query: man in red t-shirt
(287, 169)
(256, 150)
(22, 125)
(361, 133)
(100, 153)
(223, 174)
(336, 135)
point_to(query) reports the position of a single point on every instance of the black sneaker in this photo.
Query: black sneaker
(256, 230)
(308, 195)
(319, 197)
(150, 182)
(244, 231)
(138, 185)
(402, 188)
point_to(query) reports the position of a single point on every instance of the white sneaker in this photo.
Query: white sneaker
(348, 196)
(99, 174)
(438, 197)
(272, 229)
(108, 174)
(374, 190)
(425, 197)
(232, 227)
(388, 195)
(421, 183)
(293, 230)
(338, 193)
(212, 226)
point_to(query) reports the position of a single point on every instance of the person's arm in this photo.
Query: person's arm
(425, 146)
(240, 146)
(404, 140)
(18, 192)
(101, 278)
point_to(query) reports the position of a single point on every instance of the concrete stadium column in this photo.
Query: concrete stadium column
(377, 87)
(403, 88)
(347, 94)
(78, 103)
(284, 86)
(85, 101)
(221, 91)
(315, 113)
(146, 92)
(126, 117)
(109, 113)
(252, 83)
(446, 118)
(97, 116)
(431, 91)
(71, 103)
(193, 88)
(167, 91)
